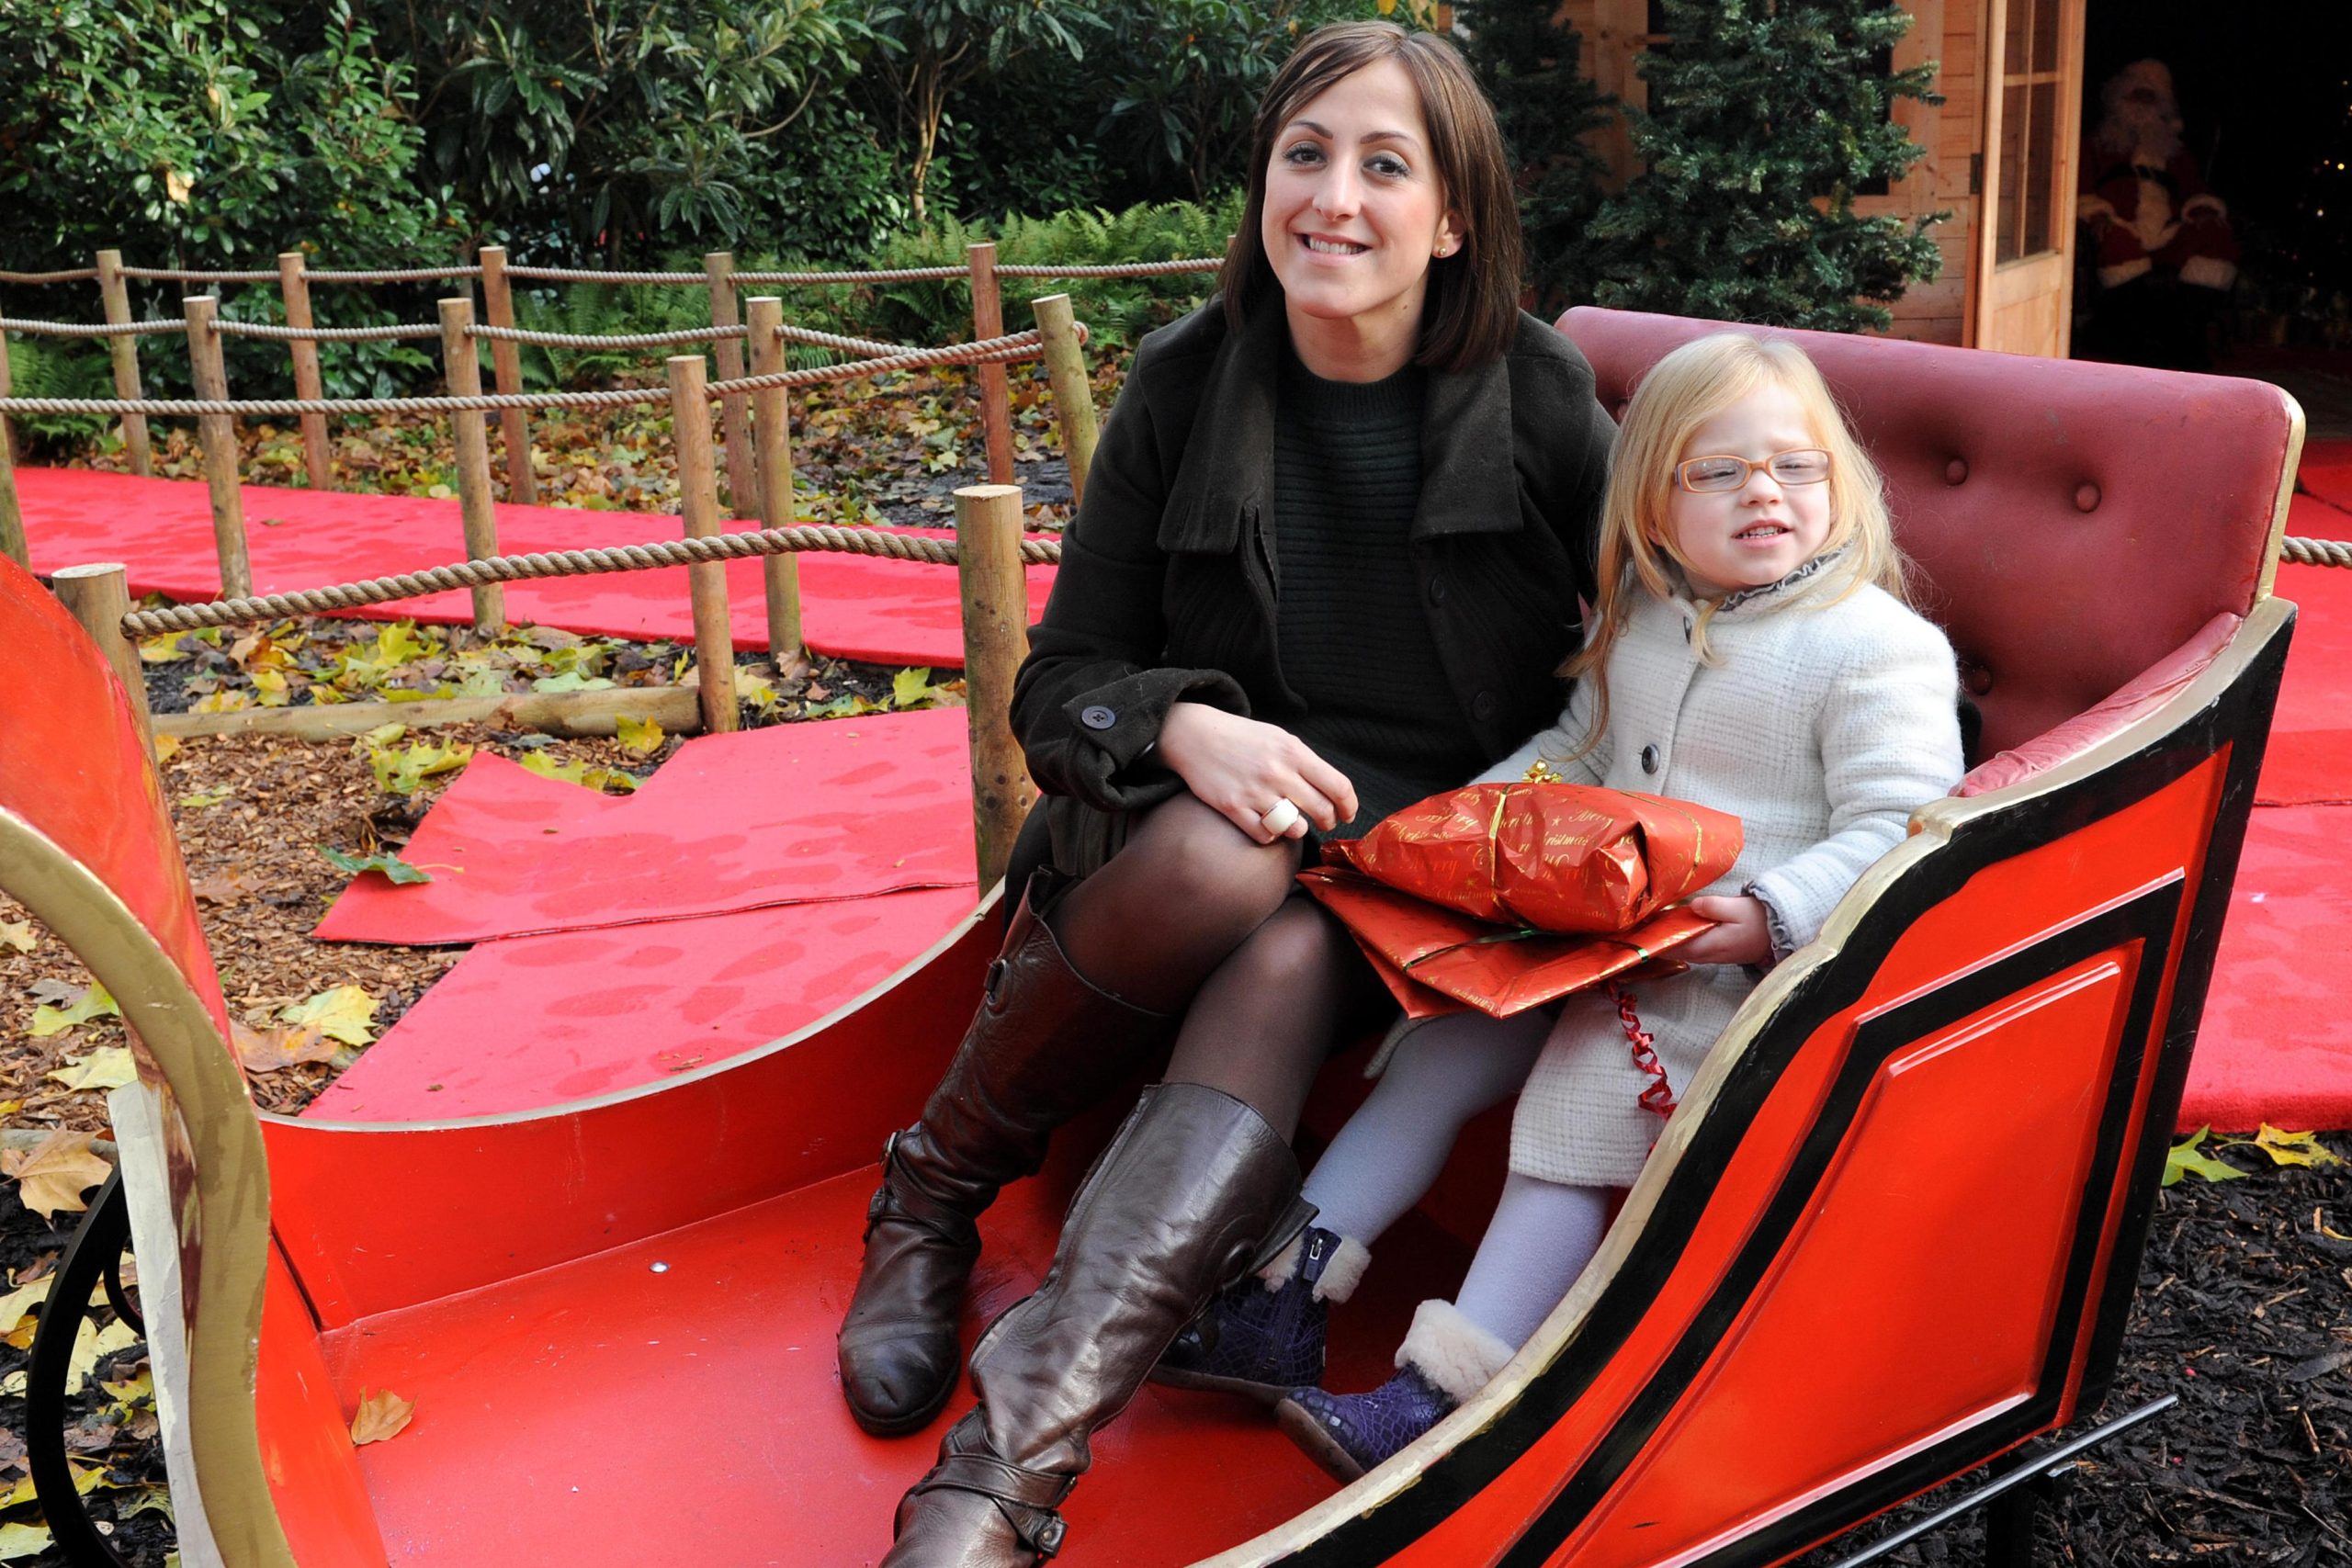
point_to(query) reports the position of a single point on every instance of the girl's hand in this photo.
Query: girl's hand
(1742, 933)
(1241, 767)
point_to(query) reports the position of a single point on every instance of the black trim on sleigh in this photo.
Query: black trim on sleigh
(2237, 719)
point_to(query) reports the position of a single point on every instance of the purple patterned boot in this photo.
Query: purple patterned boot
(1264, 1337)
(1445, 1359)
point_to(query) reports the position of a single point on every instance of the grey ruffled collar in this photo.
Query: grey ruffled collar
(1731, 602)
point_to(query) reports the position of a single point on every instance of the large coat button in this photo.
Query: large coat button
(1437, 588)
(1649, 758)
(1484, 705)
(1098, 717)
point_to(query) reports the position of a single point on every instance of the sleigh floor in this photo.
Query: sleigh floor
(676, 1400)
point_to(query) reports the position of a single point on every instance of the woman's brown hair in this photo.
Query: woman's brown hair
(1472, 308)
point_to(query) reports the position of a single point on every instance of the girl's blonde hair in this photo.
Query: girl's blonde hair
(1682, 392)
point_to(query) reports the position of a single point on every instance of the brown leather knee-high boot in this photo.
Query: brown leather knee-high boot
(1195, 1188)
(1044, 1044)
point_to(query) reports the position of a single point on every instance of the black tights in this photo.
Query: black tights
(1192, 915)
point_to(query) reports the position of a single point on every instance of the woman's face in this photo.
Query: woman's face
(1354, 211)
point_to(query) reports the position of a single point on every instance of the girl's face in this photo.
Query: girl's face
(1758, 534)
(1354, 211)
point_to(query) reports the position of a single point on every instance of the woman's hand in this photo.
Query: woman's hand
(1241, 767)
(1743, 933)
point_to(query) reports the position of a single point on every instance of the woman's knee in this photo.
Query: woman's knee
(1200, 865)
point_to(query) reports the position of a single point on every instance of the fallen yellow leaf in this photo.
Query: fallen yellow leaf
(93, 1345)
(22, 1541)
(642, 735)
(54, 1173)
(106, 1069)
(16, 1306)
(340, 1012)
(17, 934)
(274, 1050)
(166, 748)
(94, 1002)
(381, 1415)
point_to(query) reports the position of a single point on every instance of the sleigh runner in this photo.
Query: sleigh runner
(1890, 1235)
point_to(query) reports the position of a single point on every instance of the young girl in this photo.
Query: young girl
(1751, 651)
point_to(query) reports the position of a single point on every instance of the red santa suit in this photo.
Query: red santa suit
(2143, 193)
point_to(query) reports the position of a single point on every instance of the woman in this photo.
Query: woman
(1320, 573)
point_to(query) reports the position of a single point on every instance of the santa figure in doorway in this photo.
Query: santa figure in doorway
(2165, 251)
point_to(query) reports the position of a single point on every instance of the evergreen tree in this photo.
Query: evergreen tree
(1766, 117)
(1546, 105)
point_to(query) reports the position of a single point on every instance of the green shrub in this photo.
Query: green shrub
(59, 367)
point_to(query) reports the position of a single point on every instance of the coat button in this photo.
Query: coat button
(1437, 589)
(1649, 758)
(1484, 705)
(1098, 717)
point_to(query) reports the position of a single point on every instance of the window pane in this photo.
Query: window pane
(2015, 61)
(2008, 237)
(2039, 154)
(2046, 35)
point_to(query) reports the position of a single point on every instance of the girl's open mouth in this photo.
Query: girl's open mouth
(1760, 532)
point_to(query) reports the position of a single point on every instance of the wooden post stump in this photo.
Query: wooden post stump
(506, 372)
(996, 639)
(114, 294)
(1073, 393)
(12, 512)
(296, 286)
(772, 430)
(99, 597)
(996, 393)
(742, 488)
(217, 432)
(706, 581)
(461, 363)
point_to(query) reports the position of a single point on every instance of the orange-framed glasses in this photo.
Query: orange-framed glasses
(1805, 465)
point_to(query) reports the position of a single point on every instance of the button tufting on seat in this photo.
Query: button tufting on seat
(1976, 678)
(1956, 471)
(2087, 497)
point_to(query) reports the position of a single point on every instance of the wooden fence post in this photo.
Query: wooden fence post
(461, 365)
(996, 395)
(742, 488)
(772, 429)
(217, 432)
(996, 639)
(114, 293)
(507, 371)
(99, 597)
(706, 581)
(307, 385)
(1073, 393)
(12, 513)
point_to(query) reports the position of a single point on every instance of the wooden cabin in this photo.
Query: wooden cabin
(2001, 162)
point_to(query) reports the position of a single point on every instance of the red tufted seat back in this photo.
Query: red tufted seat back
(2073, 522)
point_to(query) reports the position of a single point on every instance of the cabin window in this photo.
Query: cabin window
(2030, 112)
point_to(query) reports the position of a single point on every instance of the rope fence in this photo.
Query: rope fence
(2316, 552)
(620, 340)
(322, 334)
(77, 275)
(799, 539)
(1113, 270)
(994, 351)
(89, 329)
(180, 275)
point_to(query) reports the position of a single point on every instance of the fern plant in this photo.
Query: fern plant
(59, 367)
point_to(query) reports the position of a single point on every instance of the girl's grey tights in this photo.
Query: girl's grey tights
(1390, 1152)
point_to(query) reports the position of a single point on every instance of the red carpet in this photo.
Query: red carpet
(852, 606)
(2277, 1041)
(2310, 759)
(842, 809)
(531, 1021)
(2326, 472)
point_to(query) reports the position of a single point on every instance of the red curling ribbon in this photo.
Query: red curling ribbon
(1659, 1096)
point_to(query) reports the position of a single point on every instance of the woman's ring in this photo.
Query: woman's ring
(1278, 818)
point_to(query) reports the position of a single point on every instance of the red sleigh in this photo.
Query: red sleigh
(1890, 1236)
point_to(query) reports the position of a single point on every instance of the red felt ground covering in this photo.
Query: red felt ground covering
(2310, 759)
(530, 1021)
(845, 808)
(853, 607)
(2327, 471)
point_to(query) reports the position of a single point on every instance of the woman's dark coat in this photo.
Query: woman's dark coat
(1166, 591)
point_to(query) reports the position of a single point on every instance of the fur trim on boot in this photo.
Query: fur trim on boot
(1341, 1276)
(1452, 1352)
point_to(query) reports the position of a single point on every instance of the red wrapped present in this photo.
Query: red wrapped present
(1504, 897)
